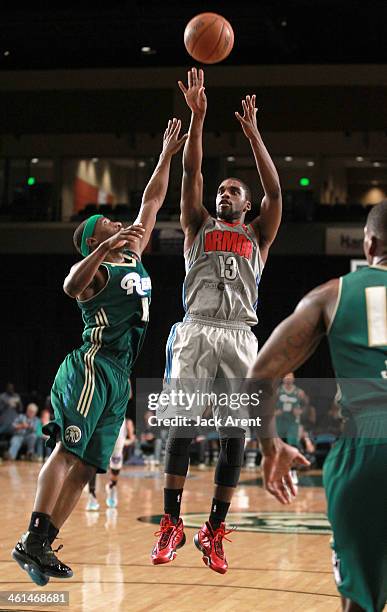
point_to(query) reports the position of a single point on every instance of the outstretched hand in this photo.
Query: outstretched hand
(276, 468)
(194, 94)
(171, 141)
(249, 119)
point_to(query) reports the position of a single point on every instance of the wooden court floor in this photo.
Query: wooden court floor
(109, 550)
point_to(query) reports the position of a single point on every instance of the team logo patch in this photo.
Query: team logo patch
(311, 523)
(134, 281)
(72, 434)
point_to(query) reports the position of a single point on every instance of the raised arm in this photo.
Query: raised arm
(267, 223)
(193, 213)
(156, 189)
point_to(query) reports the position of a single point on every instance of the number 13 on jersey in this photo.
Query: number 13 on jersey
(228, 267)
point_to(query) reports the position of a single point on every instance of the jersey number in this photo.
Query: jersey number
(228, 267)
(145, 309)
(376, 301)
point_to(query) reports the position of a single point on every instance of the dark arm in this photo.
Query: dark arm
(267, 223)
(288, 347)
(85, 277)
(156, 189)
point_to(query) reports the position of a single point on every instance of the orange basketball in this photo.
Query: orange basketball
(208, 38)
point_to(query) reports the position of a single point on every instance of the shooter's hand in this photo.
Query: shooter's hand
(249, 119)
(194, 94)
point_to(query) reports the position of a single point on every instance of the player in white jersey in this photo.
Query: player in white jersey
(115, 466)
(126, 433)
(224, 259)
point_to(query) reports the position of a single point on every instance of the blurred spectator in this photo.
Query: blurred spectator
(292, 413)
(197, 451)
(41, 449)
(10, 399)
(8, 414)
(148, 440)
(25, 427)
(130, 442)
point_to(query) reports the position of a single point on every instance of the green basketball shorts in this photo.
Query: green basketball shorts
(355, 484)
(89, 397)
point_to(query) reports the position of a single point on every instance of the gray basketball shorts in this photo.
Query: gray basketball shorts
(206, 362)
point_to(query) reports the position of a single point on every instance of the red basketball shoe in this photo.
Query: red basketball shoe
(171, 537)
(210, 543)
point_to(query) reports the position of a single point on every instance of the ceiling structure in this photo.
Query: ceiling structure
(87, 34)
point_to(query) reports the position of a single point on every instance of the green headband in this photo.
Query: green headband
(88, 231)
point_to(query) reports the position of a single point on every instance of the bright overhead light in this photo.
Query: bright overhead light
(310, 163)
(374, 182)
(359, 158)
(230, 158)
(6, 53)
(288, 158)
(34, 160)
(145, 49)
(95, 160)
(141, 164)
(376, 164)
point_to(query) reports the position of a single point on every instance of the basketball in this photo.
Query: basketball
(209, 38)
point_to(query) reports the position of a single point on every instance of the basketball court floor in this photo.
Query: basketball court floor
(279, 556)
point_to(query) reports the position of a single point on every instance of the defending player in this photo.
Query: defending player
(224, 260)
(352, 312)
(91, 389)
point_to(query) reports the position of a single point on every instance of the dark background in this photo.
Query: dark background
(42, 324)
(96, 34)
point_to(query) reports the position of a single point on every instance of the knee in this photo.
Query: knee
(116, 462)
(83, 473)
(232, 450)
(177, 456)
(69, 459)
(230, 461)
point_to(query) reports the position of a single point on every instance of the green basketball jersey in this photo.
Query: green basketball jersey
(358, 341)
(287, 399)
(116, 318)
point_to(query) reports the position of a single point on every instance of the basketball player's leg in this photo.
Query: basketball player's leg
(171, 533)
(350, 606)
(71, 465)
(33, 551)
(95, 454)
(92, 502)
(59, 489)
(190, 365)
(77, 478)
(51, 478)
(352, 473)
(239, 351)
(210, 536)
